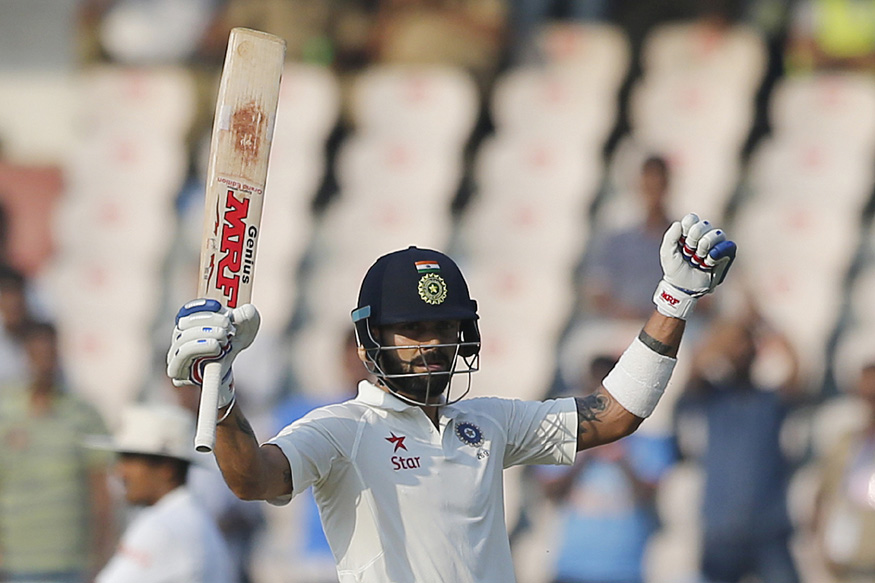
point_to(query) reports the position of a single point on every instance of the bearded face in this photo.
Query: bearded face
(429, 371)
(417, 359)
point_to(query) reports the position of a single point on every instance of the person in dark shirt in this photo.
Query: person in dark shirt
(746, 526)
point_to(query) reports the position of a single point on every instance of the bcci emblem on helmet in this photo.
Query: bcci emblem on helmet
(432, 289)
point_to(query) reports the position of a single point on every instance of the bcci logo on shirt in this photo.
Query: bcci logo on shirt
(470, 434)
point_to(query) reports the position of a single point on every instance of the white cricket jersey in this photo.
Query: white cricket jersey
(172, 541)
(402, 501)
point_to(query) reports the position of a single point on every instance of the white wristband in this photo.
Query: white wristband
(639, 378)
(672, 302)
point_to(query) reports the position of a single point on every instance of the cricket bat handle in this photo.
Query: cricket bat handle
(205, 437)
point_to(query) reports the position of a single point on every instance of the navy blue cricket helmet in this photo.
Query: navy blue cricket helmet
(415, 285)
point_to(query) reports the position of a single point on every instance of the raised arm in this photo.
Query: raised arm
(206, 332)
(252, 471)
(695, 257)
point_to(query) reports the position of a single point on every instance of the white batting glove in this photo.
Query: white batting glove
(695, 257)
(206, 332)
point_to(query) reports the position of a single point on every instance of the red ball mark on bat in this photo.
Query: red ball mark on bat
(248, 124)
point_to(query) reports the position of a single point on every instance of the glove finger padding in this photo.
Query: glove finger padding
(208, 332)
(694, 235)
(706, 243)
(686, 224)
(190, 346)
(720, 259)
(186, 365)
(246, 321)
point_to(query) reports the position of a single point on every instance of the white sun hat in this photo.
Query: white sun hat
(156, 429)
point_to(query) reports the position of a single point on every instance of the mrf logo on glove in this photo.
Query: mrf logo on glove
(695, 258)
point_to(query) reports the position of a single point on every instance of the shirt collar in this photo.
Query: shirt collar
(371, 394)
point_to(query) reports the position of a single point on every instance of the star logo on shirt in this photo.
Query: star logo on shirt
(397, 441)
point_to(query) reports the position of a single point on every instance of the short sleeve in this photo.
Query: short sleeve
(312, 445)
(540, 432)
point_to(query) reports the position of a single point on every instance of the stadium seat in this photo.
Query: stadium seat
(598, 53)
(515, 362)
(528, 232)
(105, 363)
(736, 54)
(801, 166)
(556, 102)
(115, 98)
(126, 166)
(839, 107)
(308, 108)
(696, 107)
(38, 116)
(540, 168)
(95, 288)
(823, 240)
(538, 298)
(438, 104)
(398, 167)
(121, 230)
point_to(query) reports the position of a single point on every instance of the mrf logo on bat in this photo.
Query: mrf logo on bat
(236, 240)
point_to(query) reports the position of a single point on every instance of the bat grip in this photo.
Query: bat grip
(205, 438)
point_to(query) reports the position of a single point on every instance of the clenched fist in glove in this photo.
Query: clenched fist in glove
(208, 332)
(695, 257)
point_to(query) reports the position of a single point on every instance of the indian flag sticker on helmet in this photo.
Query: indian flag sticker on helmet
(427, 266)
(432, 289)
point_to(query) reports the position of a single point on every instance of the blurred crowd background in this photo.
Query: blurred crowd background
(545, 144)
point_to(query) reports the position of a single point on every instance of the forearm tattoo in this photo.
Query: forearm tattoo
(590, 409)
(244, 426)
(655, 345)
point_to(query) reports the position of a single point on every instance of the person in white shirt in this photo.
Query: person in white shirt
(172, 539)
(407, 476)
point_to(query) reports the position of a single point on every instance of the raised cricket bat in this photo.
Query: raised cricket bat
(236, 176)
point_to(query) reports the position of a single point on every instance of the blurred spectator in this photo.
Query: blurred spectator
(172, 538)
(845, 509)
(144, 32)
(331, 32)
(732, 426)
(606, 503)
(622, 262)
(837, 35)
(470, 34)
(15, 318)
(55, 510)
